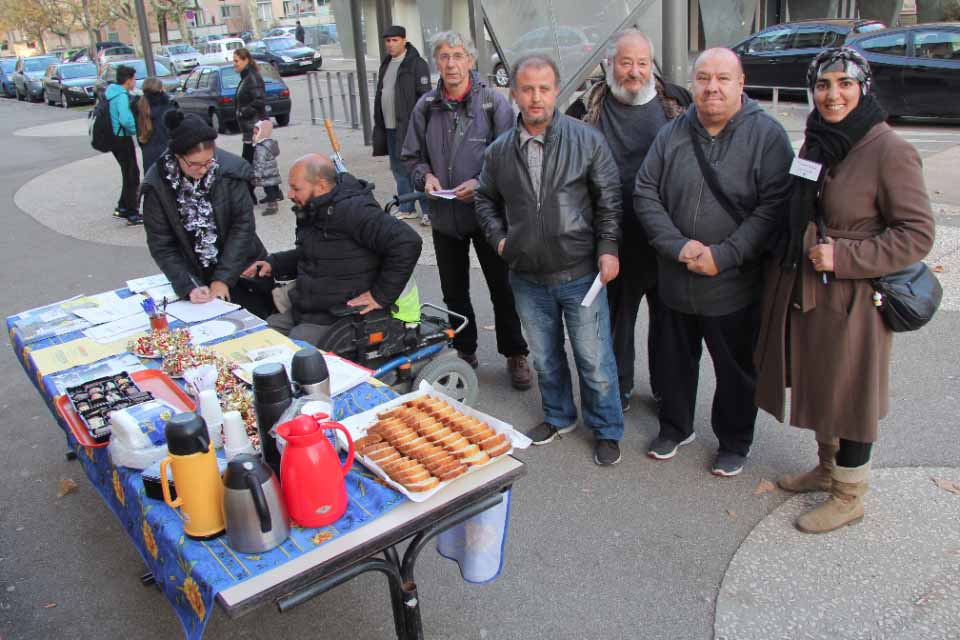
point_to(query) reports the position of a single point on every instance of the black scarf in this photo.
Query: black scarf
(827, 144)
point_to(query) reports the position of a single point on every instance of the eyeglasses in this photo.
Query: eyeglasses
(443, 58)
(197, 165)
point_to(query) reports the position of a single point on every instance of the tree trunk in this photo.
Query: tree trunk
(182, 27)
(162, 28)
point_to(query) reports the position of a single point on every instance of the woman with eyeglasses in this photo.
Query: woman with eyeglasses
(858, 210)
(199, 220)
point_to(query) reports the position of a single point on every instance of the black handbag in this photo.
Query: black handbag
(908, 299)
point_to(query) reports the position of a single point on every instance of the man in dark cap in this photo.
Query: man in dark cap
(404, 77)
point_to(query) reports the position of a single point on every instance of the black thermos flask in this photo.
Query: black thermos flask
(272, 395)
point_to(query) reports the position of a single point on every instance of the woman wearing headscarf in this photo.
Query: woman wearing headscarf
(861, 212)
(199, 218)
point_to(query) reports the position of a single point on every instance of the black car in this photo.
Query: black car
(285, 54)
(69, 84)
(779, 55)
(210, 91)
(916, 69)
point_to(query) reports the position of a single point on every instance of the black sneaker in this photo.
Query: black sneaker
(665, 448)
(544, 433)
(134, 220)
(727, 464)
(606, 452)
(469, 358)
(119, 213)
(625, 402)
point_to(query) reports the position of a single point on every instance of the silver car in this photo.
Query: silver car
(181, 58)
(114, 54)
(108, 75)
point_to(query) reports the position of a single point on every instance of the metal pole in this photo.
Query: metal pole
(361, 70)
(479, 38)
(333, 103)
(351, 85)
(676, 49)
(382, 25)
(145, 37)
(311, 77)
(343, 97)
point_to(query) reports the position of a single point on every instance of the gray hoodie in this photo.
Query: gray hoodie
(751, 158)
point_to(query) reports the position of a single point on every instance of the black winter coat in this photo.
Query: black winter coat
(413, 80)
(153, 148)
(251, 102)
(172, 246)
(346, 245)
(554, 236)
(434, 144)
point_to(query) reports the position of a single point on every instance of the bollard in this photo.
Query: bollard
(333, 104)
(311, 77)
(343, 96)
(354, 119)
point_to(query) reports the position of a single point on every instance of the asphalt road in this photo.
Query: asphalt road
(633, 551)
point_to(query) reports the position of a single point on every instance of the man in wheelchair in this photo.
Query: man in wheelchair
(349, 257)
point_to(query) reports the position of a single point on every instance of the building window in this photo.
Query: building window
(265, 12)
(229, 11)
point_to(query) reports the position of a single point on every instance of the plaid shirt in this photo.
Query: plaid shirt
(533, 145)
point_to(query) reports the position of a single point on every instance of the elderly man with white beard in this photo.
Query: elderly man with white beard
(629, 108)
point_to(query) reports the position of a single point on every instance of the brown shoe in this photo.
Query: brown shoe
(520, 376)
(818, 478)
(469, 358)
(845, 506)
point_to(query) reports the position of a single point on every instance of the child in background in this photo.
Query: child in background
(266, 171)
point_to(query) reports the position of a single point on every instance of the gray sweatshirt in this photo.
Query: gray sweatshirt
(751, 158)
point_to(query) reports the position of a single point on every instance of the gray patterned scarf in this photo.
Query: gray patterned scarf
(195, 207)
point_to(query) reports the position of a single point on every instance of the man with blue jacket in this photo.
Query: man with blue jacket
(124, 131)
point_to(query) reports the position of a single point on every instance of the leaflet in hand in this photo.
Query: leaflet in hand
(445, 194)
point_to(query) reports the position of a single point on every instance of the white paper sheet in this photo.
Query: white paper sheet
(140, 285)
(344, 375)
(446, 194)
(593, 292)
(109, 307)
(164, 291)
(224, 326)
(188, 312)
(119, 329)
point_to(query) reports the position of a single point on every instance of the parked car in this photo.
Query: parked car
(7, 66)
(916, 69)
(181, 58)
(69, 84)
(778, 56)
(108, 75)
(219, 51)
(277, 32)
(115, 54)
(286, 54)
(28, 76)
(70, 53)
(210, 91)
(573, 43)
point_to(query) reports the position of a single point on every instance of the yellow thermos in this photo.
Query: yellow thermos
(195, 475)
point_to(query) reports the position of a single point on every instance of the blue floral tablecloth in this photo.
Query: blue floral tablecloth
(191, 573)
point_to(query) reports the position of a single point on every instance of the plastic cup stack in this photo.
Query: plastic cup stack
(212, 415)
(235, 436)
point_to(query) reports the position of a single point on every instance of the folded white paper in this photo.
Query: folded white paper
(593, 292)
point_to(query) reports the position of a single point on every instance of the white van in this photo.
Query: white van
(218, 51)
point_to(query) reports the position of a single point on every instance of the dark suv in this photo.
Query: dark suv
(779, 55)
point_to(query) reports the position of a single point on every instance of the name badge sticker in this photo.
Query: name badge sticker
(806, 169)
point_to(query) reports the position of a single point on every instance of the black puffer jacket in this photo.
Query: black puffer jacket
(251, 102)
(556, 235)
(413, 80)
(346, 245)
(172, 246)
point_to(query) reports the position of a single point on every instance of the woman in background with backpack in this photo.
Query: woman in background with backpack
(151, 131)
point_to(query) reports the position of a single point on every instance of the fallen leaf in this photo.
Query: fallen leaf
(731, 514)
(947, 485)
(50, 605)
(322, 537)
(764, 486)
(489, 327)
(937, 269)
(66, 486)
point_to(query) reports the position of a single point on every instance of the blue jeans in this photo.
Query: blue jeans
(543, 311)
(400, 174)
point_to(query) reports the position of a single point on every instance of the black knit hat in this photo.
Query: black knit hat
(187, 130)
(395, 31)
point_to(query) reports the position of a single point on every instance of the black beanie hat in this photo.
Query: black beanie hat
(187, 130)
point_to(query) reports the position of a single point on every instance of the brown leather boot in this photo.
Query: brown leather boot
(520, 375)
(818, 478)
(845, 505)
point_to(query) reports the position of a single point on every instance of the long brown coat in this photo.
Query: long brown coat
(877, 210)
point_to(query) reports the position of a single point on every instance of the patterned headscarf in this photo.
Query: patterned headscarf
(841, 59)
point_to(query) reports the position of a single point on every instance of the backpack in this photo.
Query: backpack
(486, 95)
(100, 127)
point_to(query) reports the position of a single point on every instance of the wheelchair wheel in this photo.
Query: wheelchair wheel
(452, 376)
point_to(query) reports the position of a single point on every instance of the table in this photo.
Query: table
(193, 575)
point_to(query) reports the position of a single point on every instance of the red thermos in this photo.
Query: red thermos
(310, 472)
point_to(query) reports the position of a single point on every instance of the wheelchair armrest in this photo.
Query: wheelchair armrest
(343, 311)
